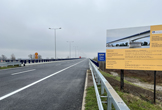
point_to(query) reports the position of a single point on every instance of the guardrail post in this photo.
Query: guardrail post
(95, 76)
(108, 102)
(98, 81)
(102, 87)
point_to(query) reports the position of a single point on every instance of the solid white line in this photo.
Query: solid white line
(23, 72)
(25, 87)
(85, 91)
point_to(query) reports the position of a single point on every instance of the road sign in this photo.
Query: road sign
(36, 55)
(101, 56)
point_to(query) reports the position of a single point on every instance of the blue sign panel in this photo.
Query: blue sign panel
(101, 56)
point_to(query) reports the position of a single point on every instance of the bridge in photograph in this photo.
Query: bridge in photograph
(131, 39)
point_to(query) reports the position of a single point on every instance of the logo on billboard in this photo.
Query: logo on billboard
(157, 32)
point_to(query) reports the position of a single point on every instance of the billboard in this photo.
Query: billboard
(101, 56)
(137, 48)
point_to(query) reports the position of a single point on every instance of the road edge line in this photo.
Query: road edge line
(84, 94)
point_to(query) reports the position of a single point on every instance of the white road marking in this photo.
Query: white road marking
(23, 72)
(25, 87)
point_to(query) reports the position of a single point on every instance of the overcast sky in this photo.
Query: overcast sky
(24, 24)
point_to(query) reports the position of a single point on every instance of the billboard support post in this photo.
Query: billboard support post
(154, 87)
(121, 79)
(103, 66)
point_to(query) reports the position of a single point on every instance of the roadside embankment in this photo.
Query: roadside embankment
(137, 98)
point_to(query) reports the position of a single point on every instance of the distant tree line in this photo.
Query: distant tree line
(3, 57)
(95, 59)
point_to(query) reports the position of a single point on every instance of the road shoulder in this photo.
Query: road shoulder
(88, 83)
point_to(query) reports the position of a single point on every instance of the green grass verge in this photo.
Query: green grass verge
(9, 67)
(135, 103)
(91, 101)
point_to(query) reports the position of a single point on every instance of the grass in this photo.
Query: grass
(114, 77)
(91, 101)
(133, 102)
(9, 67)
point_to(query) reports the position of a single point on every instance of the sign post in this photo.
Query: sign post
(122, 80)
(154, 87)
(36, 55)
(101, 58)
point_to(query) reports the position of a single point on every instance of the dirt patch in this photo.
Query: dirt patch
(137, 91)
(114, 73)
(132, 80)
(149, 86)
(143, 75)
(139, 83)
(90, 80)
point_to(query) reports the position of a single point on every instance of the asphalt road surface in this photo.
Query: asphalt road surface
(50, 86)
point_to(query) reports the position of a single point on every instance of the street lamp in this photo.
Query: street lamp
(55, 37)
(70, 47)
(75, 50)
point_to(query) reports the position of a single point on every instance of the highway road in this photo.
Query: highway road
(50, 86)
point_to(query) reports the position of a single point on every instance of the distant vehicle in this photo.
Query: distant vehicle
(80, 57)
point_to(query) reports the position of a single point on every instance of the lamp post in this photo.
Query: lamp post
(70, 48)
(75, 50)
(55, 37)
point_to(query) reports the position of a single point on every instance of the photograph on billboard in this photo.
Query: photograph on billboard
(138, 37)
(135, 48)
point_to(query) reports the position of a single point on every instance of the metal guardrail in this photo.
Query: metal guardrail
(5, 64)
(96, 63)
(112, 96)
(37, 60)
